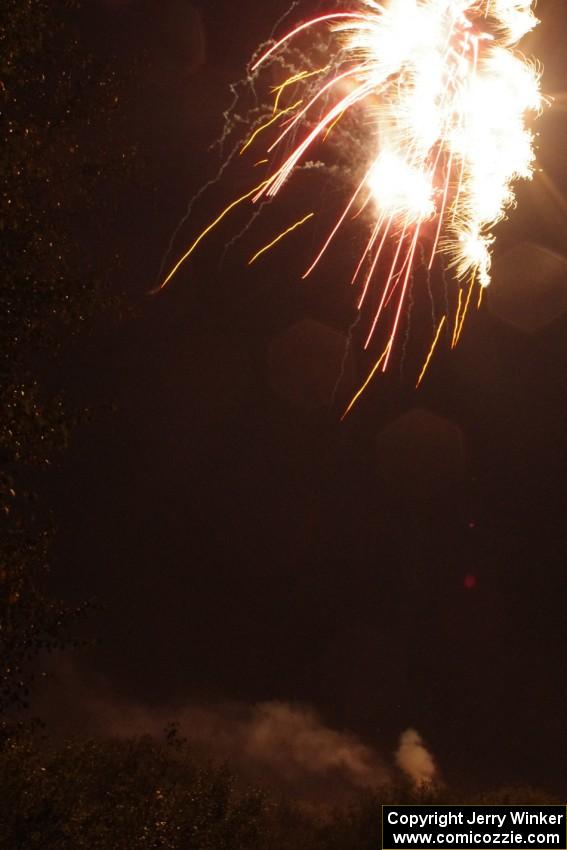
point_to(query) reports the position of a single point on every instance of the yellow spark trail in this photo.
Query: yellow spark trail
(280, 237)
(207, 230)
(367, 381)
(269, 123)
(435, 102)
(296, 78)
(431, 350)
(447, 95)
(332, 127)
(459, 330)
(457, 317)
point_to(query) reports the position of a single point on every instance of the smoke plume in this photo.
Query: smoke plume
(415, 760)
(277, 744)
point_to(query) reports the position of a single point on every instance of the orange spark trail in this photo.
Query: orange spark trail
(332, 127)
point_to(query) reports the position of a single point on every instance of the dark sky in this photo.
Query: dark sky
(246, 545)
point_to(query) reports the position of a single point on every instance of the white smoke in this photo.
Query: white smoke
(274, 743)
(415, 760)
(294, 740)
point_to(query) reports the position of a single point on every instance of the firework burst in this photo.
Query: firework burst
(442, 99)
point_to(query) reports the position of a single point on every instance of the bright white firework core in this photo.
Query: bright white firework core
(442, 99)
(449, 95)
(453, 99)
(399, 189)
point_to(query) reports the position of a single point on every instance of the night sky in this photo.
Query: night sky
(406, 567)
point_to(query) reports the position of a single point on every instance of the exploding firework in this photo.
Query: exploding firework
(441, 98)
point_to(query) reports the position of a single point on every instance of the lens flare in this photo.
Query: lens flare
(441, 99)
